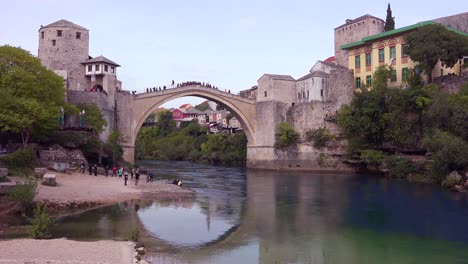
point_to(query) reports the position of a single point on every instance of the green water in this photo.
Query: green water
(245, 217)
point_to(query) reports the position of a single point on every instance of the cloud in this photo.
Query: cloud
(244, 24)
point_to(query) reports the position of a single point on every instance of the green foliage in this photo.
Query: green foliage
(286, 136)
(190, 142)
(30, 95)
(373, 158)
(429, 44)
(449, 182)
(319, 136)
(40, 223)
(93, 118)
(24, 194)
(70, 109)
(389, 20)
(113, 146)
(203, 106)
(165, 122)
(134, 235)
(20, 162)
(400, 167)
(449, 153)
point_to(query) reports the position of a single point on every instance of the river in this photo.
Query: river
(250, 216)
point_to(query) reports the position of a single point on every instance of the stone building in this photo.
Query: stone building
(354, 30)
(64, 49)
(386, 49)
(275, 87)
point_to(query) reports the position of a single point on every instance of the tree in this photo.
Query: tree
(431, 43)
(93, 118)
(285, 136)
(165, 122)
(389, 21)
(113, 146)
(30, 95)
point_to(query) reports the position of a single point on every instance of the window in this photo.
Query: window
(112, 69)
(358, 82)
(97, 67)
(441, 72)
(78, 35)
(53, 42)
(303, 94)
(392, 52)
(90, 68)
(265, 93)
(393, 78)
(404, 50)
(307, 94)
(404, 74)
(106, 69)
(357, 61)
(321, 92)
(298, 95)
(42, 34)
(368, 80)
(381, 55)
(368, 59)
(59, 33)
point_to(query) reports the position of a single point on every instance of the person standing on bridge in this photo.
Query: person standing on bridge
(173, 83)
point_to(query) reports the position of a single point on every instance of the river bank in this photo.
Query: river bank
(78, 192)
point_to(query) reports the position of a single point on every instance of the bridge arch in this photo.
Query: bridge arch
(140, 106)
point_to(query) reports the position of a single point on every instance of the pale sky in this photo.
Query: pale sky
(230, 44)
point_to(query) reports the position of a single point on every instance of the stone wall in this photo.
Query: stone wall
(58, 154)
(101, 100)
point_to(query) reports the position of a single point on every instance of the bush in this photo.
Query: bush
(319, 136)
(24, 194)
(400, 167)
(40, 223)
(286, 136)
(450, 153)
(22, 158)
(373, 158)
(134, 235)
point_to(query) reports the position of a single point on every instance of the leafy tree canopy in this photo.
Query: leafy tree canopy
(30, 95)
(429, 44)
(93, 117)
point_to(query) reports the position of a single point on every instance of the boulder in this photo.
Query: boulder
(40, 172)
(466, 184)
(459, 188)
(454, 176)
(3, 172)
(49, 180)
(141, 250)
(7, 187)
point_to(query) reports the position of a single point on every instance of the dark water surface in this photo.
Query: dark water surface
(248, 216)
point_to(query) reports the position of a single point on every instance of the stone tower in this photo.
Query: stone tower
(354, 30)
(63, 46)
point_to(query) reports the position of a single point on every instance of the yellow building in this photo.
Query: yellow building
(386, 48)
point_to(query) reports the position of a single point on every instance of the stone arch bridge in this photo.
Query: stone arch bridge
(132, 110)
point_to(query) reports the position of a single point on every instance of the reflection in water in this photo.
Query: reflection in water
(274, 217)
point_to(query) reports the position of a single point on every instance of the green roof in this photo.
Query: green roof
(394, 32)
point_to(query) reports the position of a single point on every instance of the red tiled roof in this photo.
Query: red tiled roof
(330, 59)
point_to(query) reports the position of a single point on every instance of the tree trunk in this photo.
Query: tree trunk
(429, 75)
(24, 137)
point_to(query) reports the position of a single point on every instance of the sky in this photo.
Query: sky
(230, 44)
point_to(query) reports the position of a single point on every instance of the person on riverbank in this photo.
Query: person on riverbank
(125, 178)
(95, 169)
(132, 172)
(114, 171)
(137, 176)
(82, 166)
(120, 172)
(90, 168)
(106, 170)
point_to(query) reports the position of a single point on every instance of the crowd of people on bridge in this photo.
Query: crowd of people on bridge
(179, 85)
